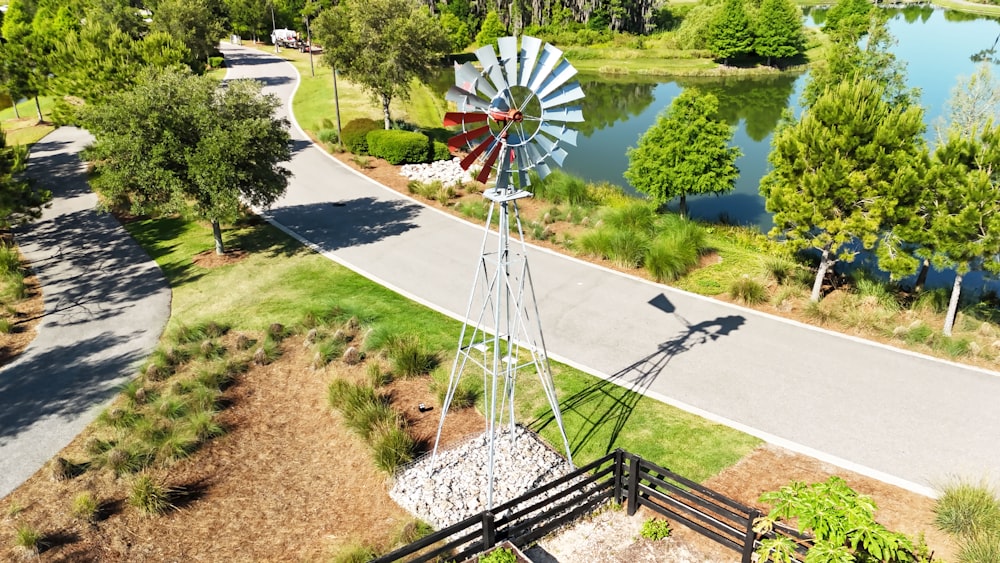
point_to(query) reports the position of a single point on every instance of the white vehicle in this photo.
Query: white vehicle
(285, 38)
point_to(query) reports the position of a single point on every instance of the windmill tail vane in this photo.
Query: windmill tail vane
(514, 118)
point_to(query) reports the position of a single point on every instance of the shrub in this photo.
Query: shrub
(670, 256)
(399, 147)
(748, 290)
(28, 539)
(85, 507)
(408, 356)
(440, 151)
(354, 553)
(149, 496)
(965, 508)
(392, 446)
(499, 555)
(983, 547)
(655, 529)
(634, 216)
(328, 136)
(560, 187)
(216, 62)
(354, 134)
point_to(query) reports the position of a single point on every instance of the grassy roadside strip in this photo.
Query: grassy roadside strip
(281, 281)
(968, 7)
(26, 130)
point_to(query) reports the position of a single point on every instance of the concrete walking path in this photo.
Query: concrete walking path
(106, 303)
(902, 417)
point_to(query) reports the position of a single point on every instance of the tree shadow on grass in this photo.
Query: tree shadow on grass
(605, 407)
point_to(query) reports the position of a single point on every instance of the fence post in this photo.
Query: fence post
(619, 471)
(633, 484)
(489, 531)
(749, 538)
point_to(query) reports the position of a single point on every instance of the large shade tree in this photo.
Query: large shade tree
(686, 152)
(965, 212)
(731, 35)
(177, 143)
(779, 30)
(844, 172)
(381, 45)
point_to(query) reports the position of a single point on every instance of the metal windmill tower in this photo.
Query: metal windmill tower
(514, 117)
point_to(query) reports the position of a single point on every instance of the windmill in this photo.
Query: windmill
(514, 115)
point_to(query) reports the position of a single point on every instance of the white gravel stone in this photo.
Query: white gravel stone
(448, 172)
(453, 486)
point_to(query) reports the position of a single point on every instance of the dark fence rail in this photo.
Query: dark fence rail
(619, 476)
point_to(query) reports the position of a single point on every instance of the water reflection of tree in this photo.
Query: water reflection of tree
(608, 102)
(759, 100)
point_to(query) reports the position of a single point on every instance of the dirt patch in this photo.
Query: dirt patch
(211, 259)
(24, 316)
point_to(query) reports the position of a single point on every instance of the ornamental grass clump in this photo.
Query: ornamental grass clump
(408, 356)
(85, 507)
(149, 496)
(748, 290)
(970, 512)
(28, 539)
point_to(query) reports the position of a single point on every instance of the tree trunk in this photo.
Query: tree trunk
(824, 265)
(385, 111)
(684, 206)
(949, 319)
(336, 105)
(217, 234)
(922, 276)
(38, 108)
(17, 114)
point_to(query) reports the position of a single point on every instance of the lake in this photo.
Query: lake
(938, 47)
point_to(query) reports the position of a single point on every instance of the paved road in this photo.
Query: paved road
(898, 416)
(106, 303)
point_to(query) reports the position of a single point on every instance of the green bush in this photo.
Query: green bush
(216, 62)
(399, 147)
(354, 134)
(670, 256)
(328, 136)
(499, 555)
(655, 529)
(440, 151)
(392, 446)
(748, 290)
(964, 509)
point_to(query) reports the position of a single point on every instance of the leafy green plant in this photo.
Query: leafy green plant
(748, 290)
(151, 497)
(655, 529)
(841, 521)
(499, 555)
(399, 147)
(355, 133)
(965, 508)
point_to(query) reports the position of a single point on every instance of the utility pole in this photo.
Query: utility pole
(274, 28)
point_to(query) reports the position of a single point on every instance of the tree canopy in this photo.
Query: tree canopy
(965, 210)
(381, 45)
(685, 152)
(844, 172)
(177, 143)
(731, 35)
(779, 30)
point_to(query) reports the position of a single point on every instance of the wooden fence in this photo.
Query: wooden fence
(620, 476)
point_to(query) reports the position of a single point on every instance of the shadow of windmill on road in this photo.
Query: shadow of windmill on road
(606, 406)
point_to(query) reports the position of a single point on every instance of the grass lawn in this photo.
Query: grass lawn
(281, 281)
(26, 130)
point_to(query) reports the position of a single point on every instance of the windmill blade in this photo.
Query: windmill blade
(571, 114)
(508, 57)
(547, 145)
(525, 164)
(460, 141)
(452, 118)
(466, 99)
(559, 155)
(542, 170)
(569, 93)
(478, 150)
(491, 158)
(559, 76)
(561, 132)
(529, 56)
(488, 58)
(547, 61)
(531, 149)
(468, 78)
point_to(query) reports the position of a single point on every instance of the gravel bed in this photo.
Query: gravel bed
(448, 172)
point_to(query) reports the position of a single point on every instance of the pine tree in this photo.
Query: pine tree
(965, 214)
(779, 30)
(685, 152)
(844, 172)
(731, 35)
